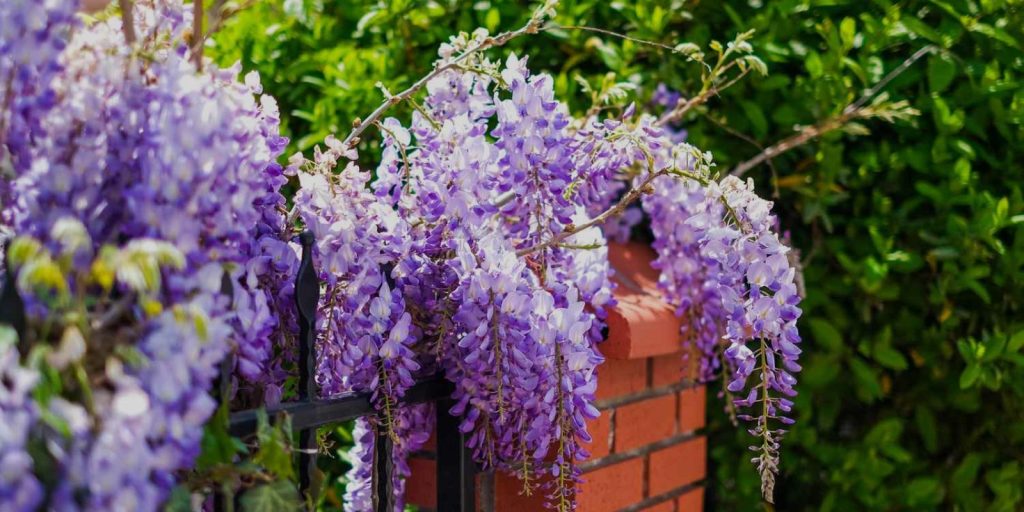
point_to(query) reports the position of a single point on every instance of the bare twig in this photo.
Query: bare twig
(627, 199)
(610, 33)
(115, 313)
(870, 93)
(855, 110)
(806, 135)
(197, 34)
(127, 21)
(360, 125)
(680, 110)
(219, 15)
(750, 140)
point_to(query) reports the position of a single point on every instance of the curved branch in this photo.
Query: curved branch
(127, 21)
(627, 199)
(197, 34)
(795, 141)
(855, 110)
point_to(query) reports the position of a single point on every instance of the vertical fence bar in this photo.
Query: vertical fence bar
(12, 308)
(383, 492)
(456, 471)
(307, 296)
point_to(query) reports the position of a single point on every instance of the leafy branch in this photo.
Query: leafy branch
(737, 54)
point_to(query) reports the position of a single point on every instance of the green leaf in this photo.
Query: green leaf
(610, 55)
(848, 32)
(866, 379)
(890, 358)
(967, 472)
(493, 19)
(274, 451)
(969, 376)
(814, 65)
(922, 492)
(995, 33)
(279, 496)
(925, 421)
(941, 71)
(885, 432)
(1016, 342)
(217, 446)
(825, 335)
(180, 500)
(921, 28)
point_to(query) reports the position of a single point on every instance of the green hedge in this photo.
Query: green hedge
(912, 394)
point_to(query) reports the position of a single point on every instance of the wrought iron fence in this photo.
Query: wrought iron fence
(456, 471)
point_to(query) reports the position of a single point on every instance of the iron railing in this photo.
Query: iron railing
(456, 470)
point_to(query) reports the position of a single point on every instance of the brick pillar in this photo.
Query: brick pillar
(647, 454)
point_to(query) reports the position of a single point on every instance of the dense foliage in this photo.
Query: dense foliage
(153, 251)
(911, 235)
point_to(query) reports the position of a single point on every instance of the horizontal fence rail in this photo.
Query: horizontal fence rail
(456, 470)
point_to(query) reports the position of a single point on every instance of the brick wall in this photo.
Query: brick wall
(647, 453)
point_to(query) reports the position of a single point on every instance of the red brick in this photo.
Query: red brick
(692, 501)
(667, 370)
(642, 324)
(665, 506)
(600, 432)
(620, 377)
(508, 495)
(645, 422)
(634, 261)
(612, 487)
(676, 466)
(421, 487)
(692, 408)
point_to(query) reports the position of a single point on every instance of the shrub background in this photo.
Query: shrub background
(912, 235)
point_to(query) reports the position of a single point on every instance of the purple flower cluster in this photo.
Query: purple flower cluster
(684, 270)
(535, 163)
(135, 148)
(725, 269)
(152, 417)
(516, 332)
(115, 157)
(365, 331)
(32, 36)
(608, 154)
(19, 488)
(760, 301)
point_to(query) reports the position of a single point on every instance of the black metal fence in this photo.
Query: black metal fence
(456, 470)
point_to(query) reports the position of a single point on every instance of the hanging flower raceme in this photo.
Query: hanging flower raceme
(685, 271)
(760, 301)
(723, 266)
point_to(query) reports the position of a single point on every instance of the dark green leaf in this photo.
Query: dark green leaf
(941, 70)
(279, 496)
